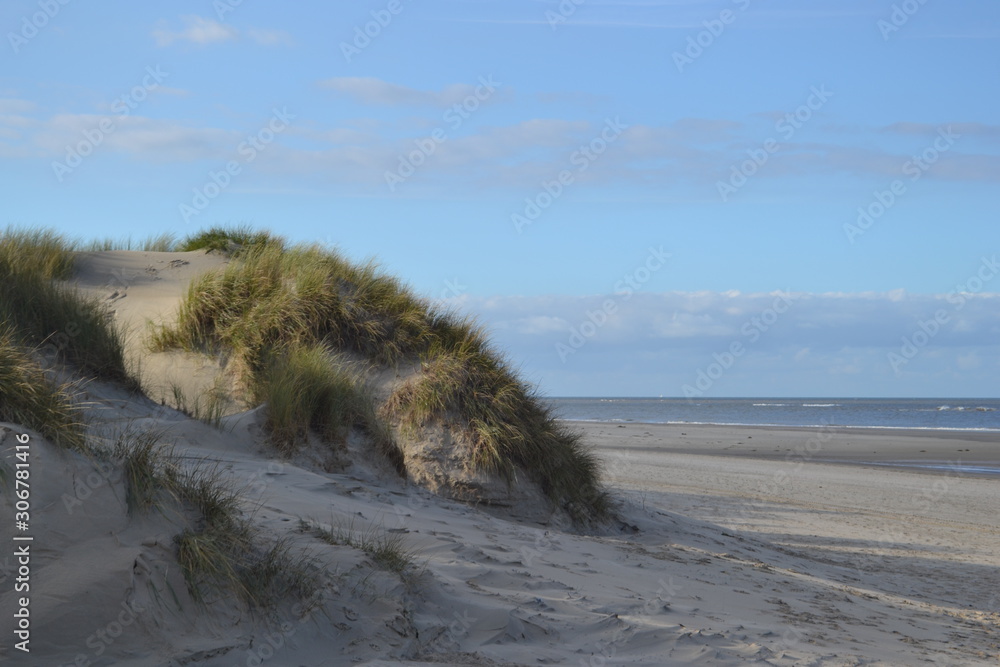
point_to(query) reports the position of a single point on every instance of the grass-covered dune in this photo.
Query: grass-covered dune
(325, 356)
(335, 351)
(39, 312)
(50, 331)
(310, 331)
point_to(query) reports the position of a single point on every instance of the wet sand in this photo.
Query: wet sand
(933, 451)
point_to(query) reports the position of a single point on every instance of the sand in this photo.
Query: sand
(818, 548)
(142, 289)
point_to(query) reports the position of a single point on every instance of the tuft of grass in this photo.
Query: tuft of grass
(160, 243)
(225, 554)
(58, 320)
(230, 240)
(147, 468)
(387, 550)
(105, 245)
(36, 252)
(310, 388)
(210, 407)
(28, 398)
(221, 553)
(214, 499)
(273, 297)
(165, 242)
(511, 430)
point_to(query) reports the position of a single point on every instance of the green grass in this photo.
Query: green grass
(275, 302)
(36, 252)
(511, 431)
(224, 554)
(221, 553)
(148, 469)
(58, 320)
(310, 388)
(388, 551)
(28, 398)
(165, 242)
(235, 240)
(210, 407)
(272, 297)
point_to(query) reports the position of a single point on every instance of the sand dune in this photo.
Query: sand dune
(719, 555)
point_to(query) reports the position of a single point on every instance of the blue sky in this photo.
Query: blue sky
(633, 181)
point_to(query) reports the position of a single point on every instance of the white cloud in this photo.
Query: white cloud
(968, 362)
(202, 31)
(143, 138)
(269, 37)
(688, 155)
(197, 30)
(539, 324)
(804, 324)
(374, 91)
(15, 106)
(823, 345)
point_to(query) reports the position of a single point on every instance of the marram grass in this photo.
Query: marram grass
(310, 388)
(37, 252)
(277, 302)
(224, 554)
(511, 431)
(272, 297)
(388, 550)
(55, 319)
(233, 240)
(165, 242)
(28, 398)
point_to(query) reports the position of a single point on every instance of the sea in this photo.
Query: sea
(977, 414)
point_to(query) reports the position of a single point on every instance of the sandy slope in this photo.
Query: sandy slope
(141, 288)
(718, 559)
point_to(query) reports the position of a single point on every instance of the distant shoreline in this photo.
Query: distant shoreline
(915, 450)
(906, 430)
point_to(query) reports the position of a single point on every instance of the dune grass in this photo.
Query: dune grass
(511, 431)
(57, 320)
(387, 550)
(210, 407)
(311, 388)
(28, 398)
(276, 296)
(148, 468)
(165, 242)
(289, 300)
(234, 240)
(224, 554)
(35, 252)
(221, 552)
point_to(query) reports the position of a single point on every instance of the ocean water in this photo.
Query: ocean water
(976, 414)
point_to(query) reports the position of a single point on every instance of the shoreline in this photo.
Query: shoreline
(971, 453)
(808, 427)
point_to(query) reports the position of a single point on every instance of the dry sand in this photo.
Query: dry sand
(787, 555)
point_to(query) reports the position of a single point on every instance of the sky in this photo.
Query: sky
(637, 198)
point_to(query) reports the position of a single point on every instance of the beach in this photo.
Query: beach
(891, 512)
(913, 449)
(714, 559)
